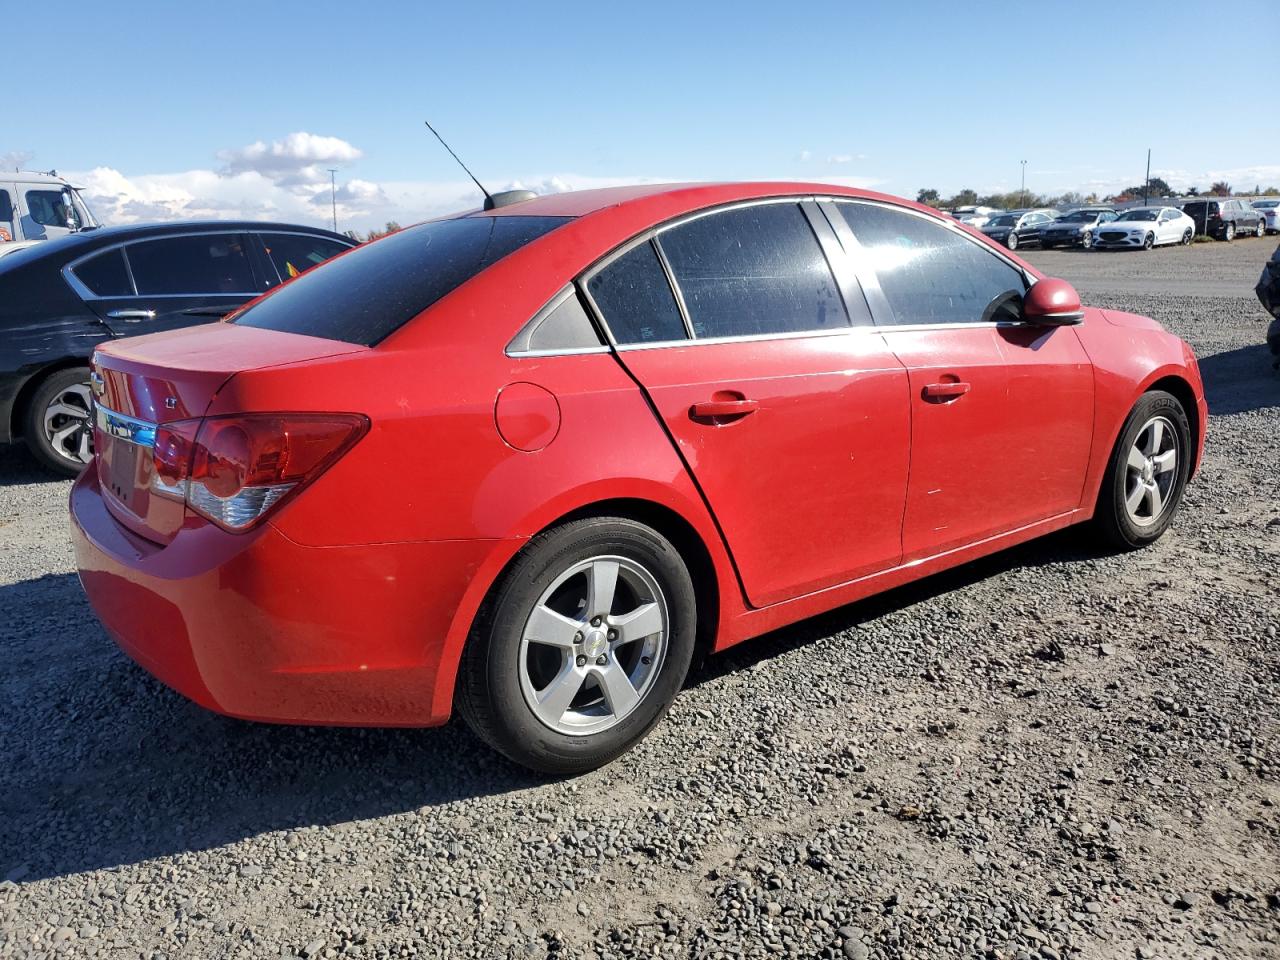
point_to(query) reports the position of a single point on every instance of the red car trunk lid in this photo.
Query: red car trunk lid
(143, 382)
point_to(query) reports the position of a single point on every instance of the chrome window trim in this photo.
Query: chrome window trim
(130, 429)
(567, 291)
(84, 293)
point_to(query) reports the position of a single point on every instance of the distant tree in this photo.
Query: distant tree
(1271, 192)
(1156, 187)
(1068, 199)
(1193, 192)
(965, 198)
(391, 227)
(1220, 188)
(1091, 198)
(929, 196)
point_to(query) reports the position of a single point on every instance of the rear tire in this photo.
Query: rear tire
(1229, 232)
(1143, 485)
(1011, 241)
(516, 661)
(1186, 236)
(1261, 230)
(57, 420)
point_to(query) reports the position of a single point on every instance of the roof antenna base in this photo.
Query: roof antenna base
(506, 198)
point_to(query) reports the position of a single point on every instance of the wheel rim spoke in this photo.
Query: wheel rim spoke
(618, 690)
(554, 699)
(1155, 501)
(644, 621)
(1135, 498)
(553, 629)
(602, 584)
(1165, 462)
(1137, 459)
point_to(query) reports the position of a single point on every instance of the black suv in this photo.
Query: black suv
(1225, 219)
(61, 298)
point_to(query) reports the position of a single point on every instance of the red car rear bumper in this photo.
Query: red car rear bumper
(257, 626)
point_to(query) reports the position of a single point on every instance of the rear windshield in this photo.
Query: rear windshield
(369, 293)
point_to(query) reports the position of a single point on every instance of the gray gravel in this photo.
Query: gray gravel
(1051, 753)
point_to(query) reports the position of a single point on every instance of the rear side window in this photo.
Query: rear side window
(105, 275)
(294, 253)
(376, 289)
(192, 265)
(931, 274)
(753, 270)
(635, 298)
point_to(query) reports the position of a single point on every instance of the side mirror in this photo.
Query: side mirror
(1052, 303)
(70, 219)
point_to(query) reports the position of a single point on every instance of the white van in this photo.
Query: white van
(40, 206)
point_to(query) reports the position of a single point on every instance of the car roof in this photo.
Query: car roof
(86, 240)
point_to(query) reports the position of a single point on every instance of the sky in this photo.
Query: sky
(177, 109)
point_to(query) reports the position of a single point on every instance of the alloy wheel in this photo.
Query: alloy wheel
(1086, 239)
(1186, 236)
(1012, 242)
(1262, 229)
(66, 423)
(1229, 233)
(1151, 471)
(1149, 242)
(593, 645)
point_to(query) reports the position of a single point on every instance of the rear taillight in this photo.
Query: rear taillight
(233, 470)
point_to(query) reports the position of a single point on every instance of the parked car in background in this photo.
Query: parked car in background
(40, 206)
(509, 462)
(1141, 228)
(975, 216)
(1225, 219)
(1075, 228)
(60, 300)
(1018, 228)
(1270, 210)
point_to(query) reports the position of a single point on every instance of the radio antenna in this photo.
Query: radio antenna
(488, 197)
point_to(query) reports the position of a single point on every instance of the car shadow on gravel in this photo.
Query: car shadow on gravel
(1240, 380)
(1072, 545)
(18, 467)
(103, 766)
(107, 767)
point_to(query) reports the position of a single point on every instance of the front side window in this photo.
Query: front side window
(49, 208)
(635, 299)
(191, 265)
(377, 288)
(293, 253)
(753, 270)
(930, 274)
(105, 275)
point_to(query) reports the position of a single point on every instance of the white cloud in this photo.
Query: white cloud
(16, 159)
(804, 155)
(300, 158)
(845, 157)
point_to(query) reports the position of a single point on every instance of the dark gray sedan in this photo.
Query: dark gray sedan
(1075, 229)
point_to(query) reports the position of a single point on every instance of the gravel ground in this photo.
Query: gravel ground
(1051, 753)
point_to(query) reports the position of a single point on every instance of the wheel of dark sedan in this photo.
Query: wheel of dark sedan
(57, 428)
(1147, 472)
(1187, 236)
(1011, 241)
(1148, 241)
(1229, 232)
(582, 647)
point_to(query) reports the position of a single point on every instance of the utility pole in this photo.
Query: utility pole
(1146, 184)
(1024, 182)
(333, 195)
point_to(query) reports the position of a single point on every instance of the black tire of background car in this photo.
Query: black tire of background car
(1011, 241)
(33, 420)
(1187, 236)
(1149, 241)
(489, 695)
(1110, 517)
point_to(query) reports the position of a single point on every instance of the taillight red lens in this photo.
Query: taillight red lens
(233, 470)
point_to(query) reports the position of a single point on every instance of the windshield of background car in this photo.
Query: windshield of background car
(366, 295)
(1139, 215)
(1001, 221)
(1266, 204)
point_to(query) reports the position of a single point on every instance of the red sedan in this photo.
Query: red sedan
(528, 460)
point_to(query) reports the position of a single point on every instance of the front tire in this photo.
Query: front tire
(582, 647)
(1012, 241)
(1187, 236)
(1086, 240)
(1261, 230)
(1147, 473)
(1149, 241)
(1229, 232)
(56, 427)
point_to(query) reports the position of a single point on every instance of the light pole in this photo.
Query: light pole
(333, 196)
(1024, 182)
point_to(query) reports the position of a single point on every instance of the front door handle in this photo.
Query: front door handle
(722, 409)
(133, 316)
(952, 390)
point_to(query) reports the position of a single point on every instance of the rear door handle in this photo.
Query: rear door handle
(946, 391)
(133, 316)
(719, 409)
